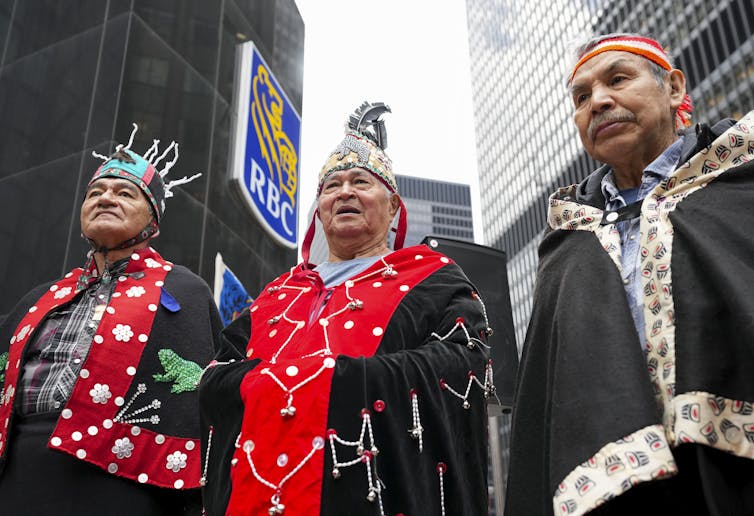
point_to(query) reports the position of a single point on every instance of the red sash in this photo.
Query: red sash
(298, 348)
(99, 423)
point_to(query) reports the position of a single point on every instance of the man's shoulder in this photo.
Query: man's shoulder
(181, 275)
(9, 321)
(33, 295)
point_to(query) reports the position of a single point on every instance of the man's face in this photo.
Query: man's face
(113, 211)
(624, 116)
(354, 206)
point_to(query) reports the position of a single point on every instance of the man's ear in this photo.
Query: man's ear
(395, 203)
(677, 83)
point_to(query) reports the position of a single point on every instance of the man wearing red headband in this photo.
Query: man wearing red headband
(635, 392)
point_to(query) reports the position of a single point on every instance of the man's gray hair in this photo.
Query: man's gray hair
(583, 46)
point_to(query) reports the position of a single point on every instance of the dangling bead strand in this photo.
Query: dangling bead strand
(416, 431)
(203, 479)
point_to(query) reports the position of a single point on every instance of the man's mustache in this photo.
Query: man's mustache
(608, 118)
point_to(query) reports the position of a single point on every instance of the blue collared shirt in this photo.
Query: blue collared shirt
(630, 233)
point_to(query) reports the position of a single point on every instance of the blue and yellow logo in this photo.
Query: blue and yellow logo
(271, 164)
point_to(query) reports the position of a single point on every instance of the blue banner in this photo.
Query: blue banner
(230, 295)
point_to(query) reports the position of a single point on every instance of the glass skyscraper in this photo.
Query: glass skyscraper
(75, 75)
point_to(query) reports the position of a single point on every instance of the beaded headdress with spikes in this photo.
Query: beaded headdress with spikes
(363, 146)
(143, 172)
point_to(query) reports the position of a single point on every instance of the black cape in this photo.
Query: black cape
(583, 382)
(408, 356)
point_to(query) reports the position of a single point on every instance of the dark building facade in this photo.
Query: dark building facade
(436, 208)
(74, 76)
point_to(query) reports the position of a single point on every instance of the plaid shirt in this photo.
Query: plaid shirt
(54, 358)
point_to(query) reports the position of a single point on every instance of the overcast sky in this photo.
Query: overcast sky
(411, 55)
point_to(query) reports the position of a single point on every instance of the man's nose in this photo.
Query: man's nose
(602, 99)
(107, 197)
(346, 189)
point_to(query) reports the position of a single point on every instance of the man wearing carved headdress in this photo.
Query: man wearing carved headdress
(635, 392)
(98, 409)
(355, 386)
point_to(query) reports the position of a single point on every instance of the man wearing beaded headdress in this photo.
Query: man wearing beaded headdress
(101, 366)
(357, 385)
(635, 394)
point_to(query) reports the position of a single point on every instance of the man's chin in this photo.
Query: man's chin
(103, 238)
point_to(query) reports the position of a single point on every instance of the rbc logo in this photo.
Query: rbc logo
(266, 140)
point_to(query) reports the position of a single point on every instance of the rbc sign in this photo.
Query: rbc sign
(265, 146)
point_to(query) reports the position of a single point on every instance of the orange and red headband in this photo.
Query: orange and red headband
(646, 48)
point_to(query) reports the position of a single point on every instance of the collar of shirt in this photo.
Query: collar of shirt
(659, 169)
(113, 269)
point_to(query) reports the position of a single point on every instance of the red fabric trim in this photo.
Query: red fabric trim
(400, 234)
(309, 237)
(86, 429)
(352, 333)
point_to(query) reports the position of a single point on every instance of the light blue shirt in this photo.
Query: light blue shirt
(335, 273)
(630, 233)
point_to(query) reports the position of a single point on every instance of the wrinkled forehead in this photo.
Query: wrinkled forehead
(113, 182)
(606, 63)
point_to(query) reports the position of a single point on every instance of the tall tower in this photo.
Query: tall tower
(74, 78)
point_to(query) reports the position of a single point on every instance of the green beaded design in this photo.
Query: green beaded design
(3, 365)
(183, 373)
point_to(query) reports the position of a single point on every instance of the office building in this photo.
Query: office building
(436, 208)
(74, 76)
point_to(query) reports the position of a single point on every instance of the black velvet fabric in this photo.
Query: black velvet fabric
(221, 408)
(38, 481)
(713, 286)
(408, 358)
